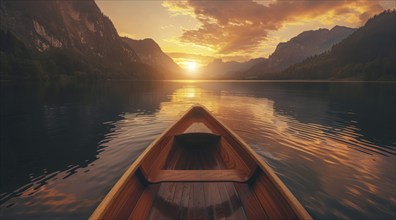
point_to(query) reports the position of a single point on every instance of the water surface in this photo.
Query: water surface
(64, 147)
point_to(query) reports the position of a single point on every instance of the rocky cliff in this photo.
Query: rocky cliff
(48, 39)
(151, 54)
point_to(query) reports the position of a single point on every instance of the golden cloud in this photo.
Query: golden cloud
(203, 60)
(241, 26)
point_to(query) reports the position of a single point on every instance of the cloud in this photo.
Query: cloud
(203, 60)
(181, 58)
(190, 56)
(240, 26)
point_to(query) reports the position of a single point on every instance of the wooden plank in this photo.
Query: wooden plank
(105, 206)
(177, 198)
(199, 175)
(145, 203)
(173, 161)
(219, 162)
(231, 158)
(171, 209)
(183, 205)
(199, 201)
(190, 206)
(271, 200)
(225, 205)
(245, 149)
(251, 204)
(235, 202)
(163, 207)
(125, 200)
(209, 201)
(217, 202)
(147, 163)
(198, 127)
(157, 204)
(157, 161)
(122, 199)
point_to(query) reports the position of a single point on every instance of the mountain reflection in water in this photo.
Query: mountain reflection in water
(64, 147)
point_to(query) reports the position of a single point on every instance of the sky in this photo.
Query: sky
(235, 30)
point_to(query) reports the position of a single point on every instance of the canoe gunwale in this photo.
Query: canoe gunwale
(100, 210)
(295, 204)
(249, 177)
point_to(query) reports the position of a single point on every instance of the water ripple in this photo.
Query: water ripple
(324, 148)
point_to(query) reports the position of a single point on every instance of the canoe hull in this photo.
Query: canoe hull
(209, 174)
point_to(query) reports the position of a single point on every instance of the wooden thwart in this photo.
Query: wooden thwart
(199, 176)
(199, 169)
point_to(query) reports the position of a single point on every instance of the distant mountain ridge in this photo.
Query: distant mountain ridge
(304, 45)
(149, 52)
(218, 69)
(48, 39)
(367, 54)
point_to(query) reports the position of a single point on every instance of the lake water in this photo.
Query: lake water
(64, 147)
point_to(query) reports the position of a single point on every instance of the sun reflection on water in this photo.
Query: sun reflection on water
(329, 164)
(287, 144)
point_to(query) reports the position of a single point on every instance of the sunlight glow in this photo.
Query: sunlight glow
(191, 66)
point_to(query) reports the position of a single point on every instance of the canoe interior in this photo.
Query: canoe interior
(197, 170)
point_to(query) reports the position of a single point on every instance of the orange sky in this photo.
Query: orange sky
(199, 31)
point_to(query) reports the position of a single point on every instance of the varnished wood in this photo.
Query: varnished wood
(198, 127)
(202, 155)
(251, 203)
(199, 176)
(145, 202)
(197, 200)
(199, 169)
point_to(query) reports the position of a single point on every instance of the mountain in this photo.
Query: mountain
(367, 54)
(65, 38)
(304, 45)
(151, 54)
(218, 69)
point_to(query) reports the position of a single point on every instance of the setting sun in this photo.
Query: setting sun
(191, 66)
(172, 108)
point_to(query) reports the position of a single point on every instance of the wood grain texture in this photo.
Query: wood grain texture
(120, 206)
(271, 200)
(145, 203)
(198, 127)
(195, 157)
(197, 200)
(199, 169)
(199, 176)
(250, 202)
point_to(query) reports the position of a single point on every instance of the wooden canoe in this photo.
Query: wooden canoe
(199, 169)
